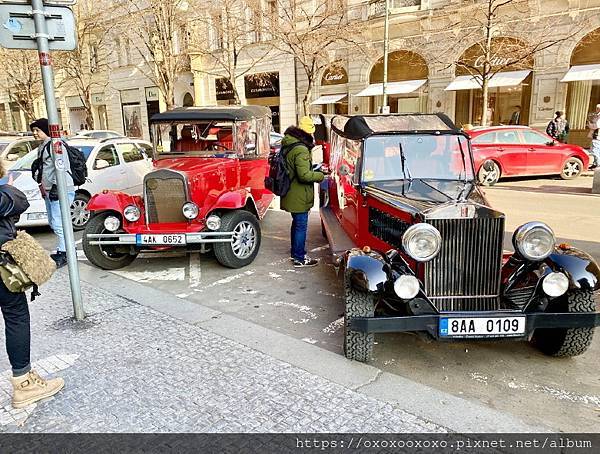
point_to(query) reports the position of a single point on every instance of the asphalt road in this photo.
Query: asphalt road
(307, 304)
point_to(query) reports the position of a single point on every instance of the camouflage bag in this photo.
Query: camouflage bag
(12, 275)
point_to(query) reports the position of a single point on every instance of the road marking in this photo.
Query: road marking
(225, 280)
(320, 248)
(334, 326)
(79, 241)
(170, 274)
(305, 310)
(195, 270)
(46, 366)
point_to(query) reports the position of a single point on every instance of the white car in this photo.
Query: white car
(13, 147)
(113, 164)
(97, 134)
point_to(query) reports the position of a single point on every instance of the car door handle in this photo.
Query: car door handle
(531, 149)
(500, 149)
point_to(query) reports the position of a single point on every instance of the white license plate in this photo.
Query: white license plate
(167, 239)
(481, 326)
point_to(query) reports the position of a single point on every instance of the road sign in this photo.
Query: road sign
(17, 29)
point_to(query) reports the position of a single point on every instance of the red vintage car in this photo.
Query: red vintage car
(206, 190)
(510, 151)
(420, 249)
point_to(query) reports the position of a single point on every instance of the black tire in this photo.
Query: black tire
(489, 177)
(568, 341)
(248, 229)
(106, 257)
(79, 214)
(572, 168)
(358, 346)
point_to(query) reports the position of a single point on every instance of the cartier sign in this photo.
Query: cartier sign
(334, 76)
(494, 61)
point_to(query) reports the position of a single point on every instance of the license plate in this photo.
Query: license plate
(167, 239)
(482, 327)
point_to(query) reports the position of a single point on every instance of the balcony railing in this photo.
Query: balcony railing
(377, 7)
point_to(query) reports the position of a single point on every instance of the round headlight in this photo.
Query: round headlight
(190, 210)
(112, 223)
(535, 241)
(132, 213)
(406, 287)
(555, 284)
(422, 242)
(213, 222)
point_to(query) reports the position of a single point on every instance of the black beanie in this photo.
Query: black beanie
(41, 123)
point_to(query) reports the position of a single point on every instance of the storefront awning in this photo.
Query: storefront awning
(328, 99)
(582, 72)
(503, 79)
(392, 88)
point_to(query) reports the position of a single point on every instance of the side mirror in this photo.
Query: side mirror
(101, 164)
(343, 170)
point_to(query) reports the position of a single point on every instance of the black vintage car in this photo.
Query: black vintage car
(422, 250)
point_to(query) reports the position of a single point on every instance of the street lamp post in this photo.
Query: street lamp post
(386, 44)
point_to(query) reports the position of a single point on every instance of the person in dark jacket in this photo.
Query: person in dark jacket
(558, 128)
(28, 386)
(301, 196)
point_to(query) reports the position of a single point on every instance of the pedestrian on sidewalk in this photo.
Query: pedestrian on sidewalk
(301, 196)
(28, 386)
(558, 128)
(593, 125)
(49, 188)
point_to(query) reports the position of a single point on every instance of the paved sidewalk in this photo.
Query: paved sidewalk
(129, 368)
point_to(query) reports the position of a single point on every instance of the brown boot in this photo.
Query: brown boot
(30, 388)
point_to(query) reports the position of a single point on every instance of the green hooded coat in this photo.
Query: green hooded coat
(301, 196)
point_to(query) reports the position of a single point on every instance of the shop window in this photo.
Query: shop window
(107, 154)
(509, 137)
(485, 138)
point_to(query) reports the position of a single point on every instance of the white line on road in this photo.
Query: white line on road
(195, 270)
(226, 280)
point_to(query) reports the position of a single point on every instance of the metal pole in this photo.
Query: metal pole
(41, 35)
(386, 45)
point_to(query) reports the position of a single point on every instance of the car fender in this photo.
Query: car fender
(580, 267)
(113, 201)
(366, 271)
(233, 200)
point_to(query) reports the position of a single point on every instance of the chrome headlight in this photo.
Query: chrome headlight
(406, 287)
(422, 242)
(213, 222)
(112, 223)
(190, 210)
(131, 213)
(555, 284)
(535, 241)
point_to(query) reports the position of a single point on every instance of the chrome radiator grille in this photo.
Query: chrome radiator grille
(164, 196)
(465, 276)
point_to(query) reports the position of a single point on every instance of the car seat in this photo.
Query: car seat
(187, 142)
(225, 138)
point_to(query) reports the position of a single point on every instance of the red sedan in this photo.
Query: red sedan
(503, 151)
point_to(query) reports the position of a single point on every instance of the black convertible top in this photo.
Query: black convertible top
(225, 113)
(359, 127)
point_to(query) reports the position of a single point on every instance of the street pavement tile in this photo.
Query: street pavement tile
(129, 368)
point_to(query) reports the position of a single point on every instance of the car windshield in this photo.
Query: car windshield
(3, 146)
(85, 149)
(210, 138)
(398, 157)
(24, 162)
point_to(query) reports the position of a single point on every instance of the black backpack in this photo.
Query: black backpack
(278, 180)
(77, 164)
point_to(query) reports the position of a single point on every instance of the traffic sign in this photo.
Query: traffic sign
(17, 28)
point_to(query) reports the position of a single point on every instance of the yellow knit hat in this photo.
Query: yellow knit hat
(306, 124)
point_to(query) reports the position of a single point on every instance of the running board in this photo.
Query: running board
(339, 241)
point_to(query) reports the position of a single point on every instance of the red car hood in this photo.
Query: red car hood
(194, 166)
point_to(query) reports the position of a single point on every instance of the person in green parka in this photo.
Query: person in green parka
(300, 198)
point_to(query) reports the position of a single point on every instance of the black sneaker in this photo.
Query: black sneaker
(307, 262)
(60, 258)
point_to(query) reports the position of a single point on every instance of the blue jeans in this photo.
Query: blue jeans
(595, 152)
(298, 235)
(55, 221)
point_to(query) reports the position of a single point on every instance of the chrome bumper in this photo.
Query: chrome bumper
(131, 239)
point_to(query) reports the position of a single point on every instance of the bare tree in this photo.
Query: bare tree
(311, 32)
(505, 40)
(84, 68)
(157, 30)
(22, 78)
(231, 37)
